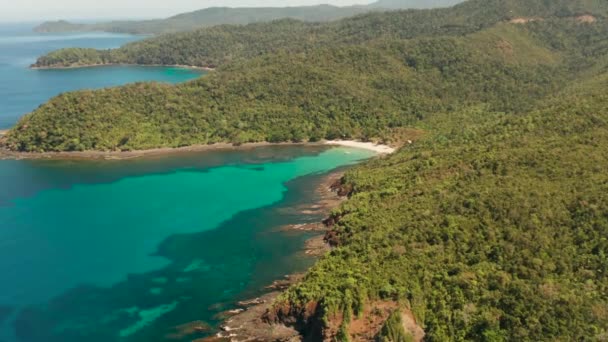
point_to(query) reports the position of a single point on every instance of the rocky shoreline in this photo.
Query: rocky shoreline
(247, 321)
(258, 320)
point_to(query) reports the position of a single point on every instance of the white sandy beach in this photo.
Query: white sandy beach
(381, 149)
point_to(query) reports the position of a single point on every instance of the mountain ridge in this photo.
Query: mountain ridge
(236, 16)
(214, 46)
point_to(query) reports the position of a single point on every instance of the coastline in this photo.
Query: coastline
(122, 155)
(252, 320)
(33, 67)
(378, 148)
(246, 322)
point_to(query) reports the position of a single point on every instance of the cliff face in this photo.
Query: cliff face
(307, 319)
(379, 321)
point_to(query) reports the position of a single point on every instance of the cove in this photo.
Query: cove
(126, 250)
(23, 89)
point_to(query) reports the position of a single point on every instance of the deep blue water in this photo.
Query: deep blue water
(23, 89)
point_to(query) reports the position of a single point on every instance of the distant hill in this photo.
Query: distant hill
(219, 45)
(414, 4)
(237, 16)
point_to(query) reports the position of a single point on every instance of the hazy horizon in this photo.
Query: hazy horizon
(42, 10)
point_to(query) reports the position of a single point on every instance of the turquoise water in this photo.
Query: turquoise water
(126, 250)
(23, 89)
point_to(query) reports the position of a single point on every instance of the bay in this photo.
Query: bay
(126, 250)
(23, 89)
(129, 250)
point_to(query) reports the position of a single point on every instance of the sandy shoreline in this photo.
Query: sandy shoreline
(120, 155)
(33, 67)
(378, 148)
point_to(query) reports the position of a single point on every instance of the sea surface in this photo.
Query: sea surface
(23, 90)
(131, 250)
(127, 250)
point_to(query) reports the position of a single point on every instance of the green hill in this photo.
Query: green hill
(208, 17)
(358, 91)
(215, 46)
(236, 16)
(490, 227)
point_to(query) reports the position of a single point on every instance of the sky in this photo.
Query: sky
(40, 10)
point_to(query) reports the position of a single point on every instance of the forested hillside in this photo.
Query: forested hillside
(211, 17)
(221, 44)
(491, 227)
(359, 91)
(237, 16)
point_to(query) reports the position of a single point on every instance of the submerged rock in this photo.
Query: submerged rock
(185, 330)
(5, 312)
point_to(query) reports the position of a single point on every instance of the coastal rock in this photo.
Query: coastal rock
(289, 280)
(339, 187)
(316, 246)
(250, 325)
(184, 330)
(251, 302)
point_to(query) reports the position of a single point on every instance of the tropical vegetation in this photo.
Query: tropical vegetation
(491, 226)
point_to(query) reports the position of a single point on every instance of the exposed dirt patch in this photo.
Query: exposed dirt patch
(505, 47)
(586, 19)
(524, 20)
(404, 136)
(410, 325)
(367, 327)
